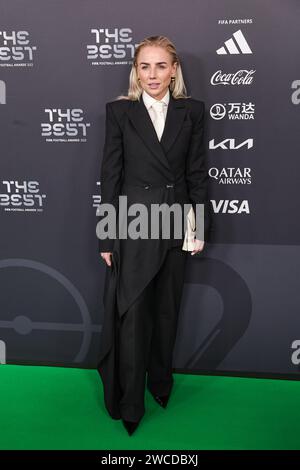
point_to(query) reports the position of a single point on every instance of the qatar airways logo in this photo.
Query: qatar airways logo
(231, 175)
(111, 46)
(241, 77)
(16, 49)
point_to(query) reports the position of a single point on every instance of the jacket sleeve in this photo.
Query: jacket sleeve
(196, 172)
(111, 169)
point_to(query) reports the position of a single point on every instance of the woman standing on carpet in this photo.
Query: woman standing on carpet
(153, 154)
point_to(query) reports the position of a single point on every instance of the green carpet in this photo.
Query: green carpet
(62, 408)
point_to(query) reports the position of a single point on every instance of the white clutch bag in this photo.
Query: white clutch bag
(190, 233)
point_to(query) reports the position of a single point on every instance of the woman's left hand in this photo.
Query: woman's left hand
(198, 246)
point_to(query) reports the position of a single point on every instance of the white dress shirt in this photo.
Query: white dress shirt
(149, 101)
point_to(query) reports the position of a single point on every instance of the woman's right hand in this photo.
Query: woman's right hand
(107, 257)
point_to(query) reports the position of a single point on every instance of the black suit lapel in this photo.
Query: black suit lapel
(141, 120)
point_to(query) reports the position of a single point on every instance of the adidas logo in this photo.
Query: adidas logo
(231, 46)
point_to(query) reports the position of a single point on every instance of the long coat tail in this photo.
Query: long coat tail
(108, 363)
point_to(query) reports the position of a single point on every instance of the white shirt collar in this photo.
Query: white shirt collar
(148, 100)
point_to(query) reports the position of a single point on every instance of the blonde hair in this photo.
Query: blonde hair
(177, 87)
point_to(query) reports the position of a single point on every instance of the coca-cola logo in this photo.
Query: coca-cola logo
(241, 77)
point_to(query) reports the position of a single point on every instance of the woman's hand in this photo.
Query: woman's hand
(106, 255)
(198, 246)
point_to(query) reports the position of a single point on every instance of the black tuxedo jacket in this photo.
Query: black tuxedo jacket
(136, 164)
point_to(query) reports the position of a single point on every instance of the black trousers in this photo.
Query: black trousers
(147, 337)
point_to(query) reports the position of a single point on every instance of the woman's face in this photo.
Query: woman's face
(154, 69)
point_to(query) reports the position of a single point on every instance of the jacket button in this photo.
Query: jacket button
(169, 185)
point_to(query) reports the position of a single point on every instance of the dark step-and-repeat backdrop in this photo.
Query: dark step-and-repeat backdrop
(60, 62)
